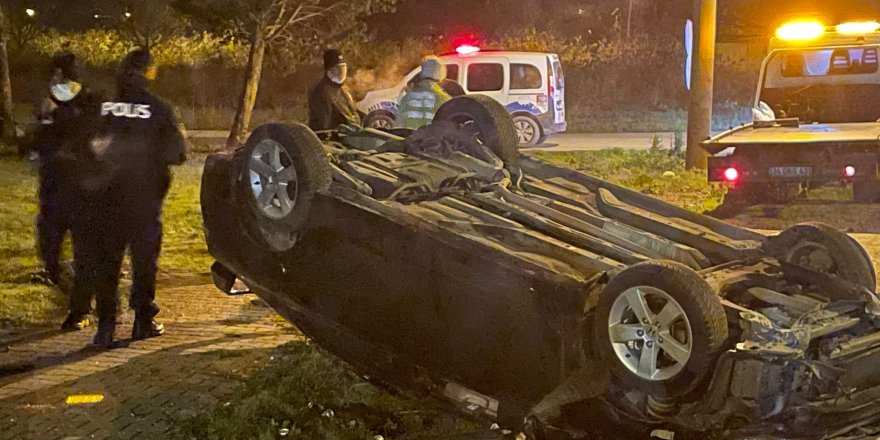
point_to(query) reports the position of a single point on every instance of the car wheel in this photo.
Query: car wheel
(660, 328)
(822, 248)
(528, 131)
(283, 167)
(380, 120)
(866, 191)
(488, 118)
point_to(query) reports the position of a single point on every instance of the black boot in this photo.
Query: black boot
(75, 323)
(105, 337)
(146, 328)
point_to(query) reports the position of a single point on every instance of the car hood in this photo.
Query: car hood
(803, 134)
(376, 97)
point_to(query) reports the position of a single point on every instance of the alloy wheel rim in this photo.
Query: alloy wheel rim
(273, 179)
(650, 333)
(381, 123)
(525, 132)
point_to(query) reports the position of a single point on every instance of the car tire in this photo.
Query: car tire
(866, 191)
(528, 130)
(380, 120)
(692, 327)
(282, 167)
(825, 249)
(491, 121)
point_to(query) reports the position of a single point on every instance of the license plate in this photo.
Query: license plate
(791, 171)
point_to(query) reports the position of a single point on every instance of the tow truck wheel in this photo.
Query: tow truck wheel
(489, 119)
(822, 248)
(282, 167)
(660, 327)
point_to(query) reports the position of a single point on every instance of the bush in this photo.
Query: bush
(103, 48)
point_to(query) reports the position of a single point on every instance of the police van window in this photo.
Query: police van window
(452, 71)
(525, 77)
(485, 77)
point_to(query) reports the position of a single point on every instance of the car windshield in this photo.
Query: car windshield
(832, 85)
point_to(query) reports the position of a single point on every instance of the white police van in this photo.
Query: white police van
(530, 85)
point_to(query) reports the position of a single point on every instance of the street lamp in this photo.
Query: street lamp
(30, 12)
(128, 15)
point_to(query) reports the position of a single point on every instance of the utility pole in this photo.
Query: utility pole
(629, 20)
(7, 125)
(700, 114)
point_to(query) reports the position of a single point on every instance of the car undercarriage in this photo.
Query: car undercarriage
(441, 261)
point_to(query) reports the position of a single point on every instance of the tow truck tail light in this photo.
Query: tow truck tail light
(550, 79)
(731, 174)
(849, 171)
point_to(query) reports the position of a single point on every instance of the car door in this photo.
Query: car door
(488, 76)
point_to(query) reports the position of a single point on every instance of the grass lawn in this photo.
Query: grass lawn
(655, 172)
(308, 395)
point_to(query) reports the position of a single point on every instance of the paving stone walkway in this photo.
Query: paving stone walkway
(212, 343)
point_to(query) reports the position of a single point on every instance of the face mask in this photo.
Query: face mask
(65, 91)
(338, 74)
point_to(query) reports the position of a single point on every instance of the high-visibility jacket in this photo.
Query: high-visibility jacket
(418, 106)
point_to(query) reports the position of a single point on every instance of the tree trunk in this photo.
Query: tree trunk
(7, 125)
(241, 125)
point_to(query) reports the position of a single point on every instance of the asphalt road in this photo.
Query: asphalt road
(560, 142)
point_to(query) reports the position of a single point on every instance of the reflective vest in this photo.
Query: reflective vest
(418, 106)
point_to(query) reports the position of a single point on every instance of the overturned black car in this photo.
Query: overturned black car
(542, 297)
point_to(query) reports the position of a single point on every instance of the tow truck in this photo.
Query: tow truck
(815, 118)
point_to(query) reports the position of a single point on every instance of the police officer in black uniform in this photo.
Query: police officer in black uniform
(330, 104)
(62, 104)
(142, 139)
(70, 118)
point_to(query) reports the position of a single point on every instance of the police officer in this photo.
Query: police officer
(62, 104)
(69, 118)
(418, 106)
(142, 139)
(330, 104)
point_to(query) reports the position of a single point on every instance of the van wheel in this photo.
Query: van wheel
(528, 131)
(488, 118)
(283, 167)
(379, 120)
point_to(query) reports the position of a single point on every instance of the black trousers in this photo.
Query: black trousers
(107, 227)
(53, 223)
